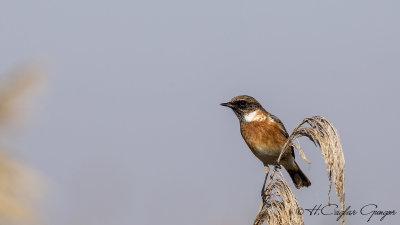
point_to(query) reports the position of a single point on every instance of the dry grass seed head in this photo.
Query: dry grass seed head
(281, 205)
(326, 138)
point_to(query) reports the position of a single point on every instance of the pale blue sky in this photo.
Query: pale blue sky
(130, 130)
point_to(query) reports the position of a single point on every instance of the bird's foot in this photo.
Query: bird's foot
(263, 195)
(277, 166)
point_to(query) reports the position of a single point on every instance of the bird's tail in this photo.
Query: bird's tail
(298, 177)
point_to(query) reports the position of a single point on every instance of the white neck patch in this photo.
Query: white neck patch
(255, 116)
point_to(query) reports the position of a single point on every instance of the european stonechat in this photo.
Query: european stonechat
(265, 135)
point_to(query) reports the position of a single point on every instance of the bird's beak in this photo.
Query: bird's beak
(228, 104)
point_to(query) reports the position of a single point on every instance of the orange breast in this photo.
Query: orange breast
(265, 135)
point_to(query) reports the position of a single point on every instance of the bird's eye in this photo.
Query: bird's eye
(242, 103)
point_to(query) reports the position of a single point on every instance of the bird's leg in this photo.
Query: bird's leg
(265, 181)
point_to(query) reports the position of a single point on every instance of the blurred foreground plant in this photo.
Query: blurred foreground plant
(19, 185)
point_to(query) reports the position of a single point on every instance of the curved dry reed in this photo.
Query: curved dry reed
(326, 138)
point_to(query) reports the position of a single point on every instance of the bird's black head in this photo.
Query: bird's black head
(243, 105)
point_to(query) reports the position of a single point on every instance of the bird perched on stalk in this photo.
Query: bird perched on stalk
(265, 135)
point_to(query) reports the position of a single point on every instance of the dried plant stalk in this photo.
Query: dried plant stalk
(326, 138)
(280, 206)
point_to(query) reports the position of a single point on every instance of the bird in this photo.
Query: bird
(266, 135)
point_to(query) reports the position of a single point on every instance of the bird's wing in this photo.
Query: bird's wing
(283, 130)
